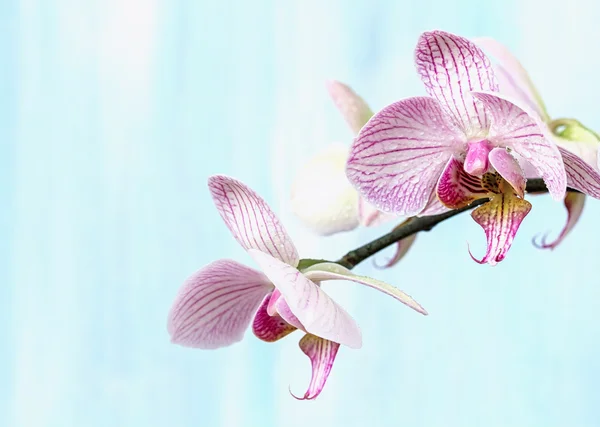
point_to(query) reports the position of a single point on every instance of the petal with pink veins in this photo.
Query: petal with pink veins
(500, 218)
(451, 67)
(398, 156)
(215, 305)
(508, 167)
(580, 175)
(270, 328)
(251, 221)
(574, 203)
(514, 128)
(513, 79)
(321, 353)
(355, 110)
(315, 310)
(456, 188)
(333, 271)
(434, 206)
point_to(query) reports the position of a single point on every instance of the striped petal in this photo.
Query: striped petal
(355, 110)
(456, 188)
(399, 155)
(250, 219)
(270, 328)
(500, 218)
(215, 305)
(333, 271)
(317, 312)
(508, 167)
(580, 175)
(574, 203)
(322, 197)
(451, 67)
(322, 354)
(513, 79)
(514, 128)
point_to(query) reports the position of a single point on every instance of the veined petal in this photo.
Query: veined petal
(434, 207)
(251, 221)
(516, 129)
(333, 271)
(451, 67)
(574, 203)
(317, 312)
(398, 156)
(270, 328)
(500, 218)
(322, 197)
(508, 167)
(215, 305)
(513, 80)
(580, 175)
(371, 216)
(401, 248)
(456, 188)
(321, 353)
(355, 110)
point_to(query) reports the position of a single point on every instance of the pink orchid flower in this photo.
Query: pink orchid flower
(579, 146)
(216, 305)
(461, 143)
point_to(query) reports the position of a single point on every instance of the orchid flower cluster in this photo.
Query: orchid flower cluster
(480, 134)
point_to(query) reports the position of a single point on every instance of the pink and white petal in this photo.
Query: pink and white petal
(508, 167)
(321, 353)
(456, 188)
(434, 207)
(251, 221)
(333, 271)
(270, 328)
(451, 67)
(580, 175)
(398, 156)
(355, 110)
(515, 128)
(500, 218)
(322, 197)
(314, 309)
(401, 249)
(215, 305)
(513, 79)
(574, 203)
(371, 216)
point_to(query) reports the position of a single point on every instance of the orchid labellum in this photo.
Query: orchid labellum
(463, 142)
(217, 304)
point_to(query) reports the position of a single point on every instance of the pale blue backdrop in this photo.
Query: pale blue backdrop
(113, 113)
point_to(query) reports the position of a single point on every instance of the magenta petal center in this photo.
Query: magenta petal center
(476, 162)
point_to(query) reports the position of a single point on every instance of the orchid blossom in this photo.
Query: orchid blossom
(323, 199)
(578, 145)
(216, 305)
(462, 142)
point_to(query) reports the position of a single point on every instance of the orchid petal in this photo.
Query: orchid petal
(434, 207)
(316, 311)
(513, 79)
(270, 328)
(322, 197)
(500, 218)
(215, 305)
(402, 248)
(456, 188)
(451, 67)
(333, 271)
(371, 216)
(508, 167)
(398, 156)
(571, 135)
(355, 110)
(574, 203)
(250, 219)
(514, 128)
(580, 175)
(321, 353)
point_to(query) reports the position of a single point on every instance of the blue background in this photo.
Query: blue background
(112, 116)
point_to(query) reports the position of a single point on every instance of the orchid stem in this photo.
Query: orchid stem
(424, 223)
